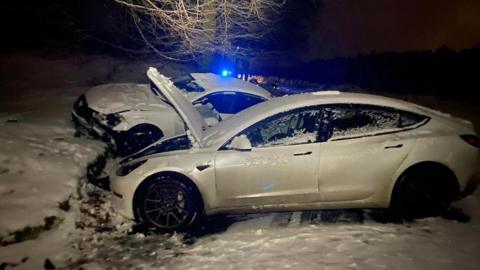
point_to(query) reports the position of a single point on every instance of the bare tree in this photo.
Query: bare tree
(186, 29)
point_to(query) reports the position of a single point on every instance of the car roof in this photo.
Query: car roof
(243, 119)
(213, 83)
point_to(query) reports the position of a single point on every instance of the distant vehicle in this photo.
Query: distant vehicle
(134, 116)
(299, 152)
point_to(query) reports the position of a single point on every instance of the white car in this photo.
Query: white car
(299, 152)
(135, 115)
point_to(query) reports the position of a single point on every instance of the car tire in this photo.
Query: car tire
(168, 204)
(421, 193)
(137, 138)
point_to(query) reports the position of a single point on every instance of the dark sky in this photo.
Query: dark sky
(349, 27)
(336, 27)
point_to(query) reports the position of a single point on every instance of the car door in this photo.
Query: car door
(365, 146)
(282, 166)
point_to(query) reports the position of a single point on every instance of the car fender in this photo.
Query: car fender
(167, 121)
(197, 167)
(450, 152)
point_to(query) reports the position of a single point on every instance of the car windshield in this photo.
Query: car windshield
(187, 83)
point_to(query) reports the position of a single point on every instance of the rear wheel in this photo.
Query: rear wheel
(422, 193)
(168, 204)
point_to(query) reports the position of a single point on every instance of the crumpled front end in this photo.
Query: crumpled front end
(89, 121)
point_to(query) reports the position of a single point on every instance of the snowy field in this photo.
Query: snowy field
(51, 216)
(347, 239)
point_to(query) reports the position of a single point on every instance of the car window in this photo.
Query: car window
(223, 102)
(409, 119)
(187, 83)
(354, 120)
(351, 120)
(244, 101)
(295, 127)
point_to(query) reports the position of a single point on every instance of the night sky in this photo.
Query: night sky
(329, 27)
(349, 27)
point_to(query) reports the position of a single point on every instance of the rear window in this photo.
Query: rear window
(357, 120)
(409, 119)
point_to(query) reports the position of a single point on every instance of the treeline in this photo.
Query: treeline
(441, 72)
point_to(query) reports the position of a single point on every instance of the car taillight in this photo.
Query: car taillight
(470, 139)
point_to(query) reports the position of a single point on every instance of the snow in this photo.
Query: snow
(112, 98)
(31, 184)
(41, 164)
(253, 244)
(326, 93)
(330, 239)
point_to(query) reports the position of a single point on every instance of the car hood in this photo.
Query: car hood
(112, 98)
(185, 109)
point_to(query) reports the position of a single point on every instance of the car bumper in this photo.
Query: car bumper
(83, 117)
(471, 186)
(89, 126)
(123, 189)
(95, 129)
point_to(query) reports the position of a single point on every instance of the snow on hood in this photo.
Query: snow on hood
(111, 98)
(189, 114)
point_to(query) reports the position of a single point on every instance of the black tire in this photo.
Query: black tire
(137, 138)
(168, 204)
(423, 193)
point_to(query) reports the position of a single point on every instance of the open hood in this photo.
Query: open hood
(192, 118)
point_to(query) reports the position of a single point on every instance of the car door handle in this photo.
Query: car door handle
(202, 167)
(393, 146)
(303, 153)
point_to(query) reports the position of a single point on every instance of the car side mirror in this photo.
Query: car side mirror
(240, 143)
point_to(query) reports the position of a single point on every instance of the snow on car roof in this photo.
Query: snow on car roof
(213, 82)
(243, 119)
(325, 93)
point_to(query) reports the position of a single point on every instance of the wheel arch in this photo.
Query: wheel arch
(145, 126)
(451, 177)
(133, 120)
(170, 173)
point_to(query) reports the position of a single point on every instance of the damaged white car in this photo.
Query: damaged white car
(299, 152)
(134, 116)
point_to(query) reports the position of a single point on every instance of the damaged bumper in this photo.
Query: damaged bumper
(86, 122)
(123, 192)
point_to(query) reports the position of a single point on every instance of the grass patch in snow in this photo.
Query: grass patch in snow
(30, 232)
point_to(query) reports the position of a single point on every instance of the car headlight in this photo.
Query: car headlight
(128, 168)
(99, 116)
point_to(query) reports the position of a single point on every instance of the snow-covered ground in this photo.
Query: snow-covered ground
(334, 239)
(42, 163)
(48, 211)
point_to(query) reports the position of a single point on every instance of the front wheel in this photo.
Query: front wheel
(167, 204)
